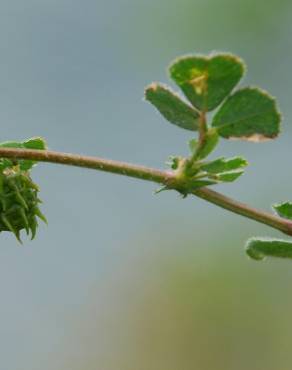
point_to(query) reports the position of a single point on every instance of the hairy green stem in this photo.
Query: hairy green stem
(167, 178)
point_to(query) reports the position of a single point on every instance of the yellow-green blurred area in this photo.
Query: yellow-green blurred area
(187, 311)
(122, 279)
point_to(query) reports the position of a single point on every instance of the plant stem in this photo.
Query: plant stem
(167, 178)
(245, 210)
(202, 129)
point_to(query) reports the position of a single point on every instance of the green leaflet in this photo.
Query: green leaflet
(259, 248)
(229, 176)
(172, 107)
(36, 143)
(11, 144)
(224, 165)
(207, 81)
(218, 171)
(284, 210)
(249, 114)
(33, 143)
(214, 179)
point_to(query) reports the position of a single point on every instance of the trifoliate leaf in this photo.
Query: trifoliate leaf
(284, 210)
(172, 107)
(207, 81)
(223, 165)
(259, 248)
(210, 141)
(249, 114)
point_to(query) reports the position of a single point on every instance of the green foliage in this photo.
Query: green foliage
(18, 202)
(36, 143)
(249, 114)
(18, 193)
(172, 107)
(284, 210)
(224, 170)
(207, 81)
(221, 170)
(224, 165)
(259, 248)
(229, 176)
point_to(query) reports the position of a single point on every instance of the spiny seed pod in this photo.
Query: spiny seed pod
(18, 202)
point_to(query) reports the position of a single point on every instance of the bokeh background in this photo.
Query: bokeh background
(122, 279)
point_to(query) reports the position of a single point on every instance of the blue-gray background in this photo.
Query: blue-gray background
(122, 279)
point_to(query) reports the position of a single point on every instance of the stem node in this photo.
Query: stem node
(172, 180)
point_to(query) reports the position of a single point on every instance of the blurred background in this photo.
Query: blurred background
(122, 279)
